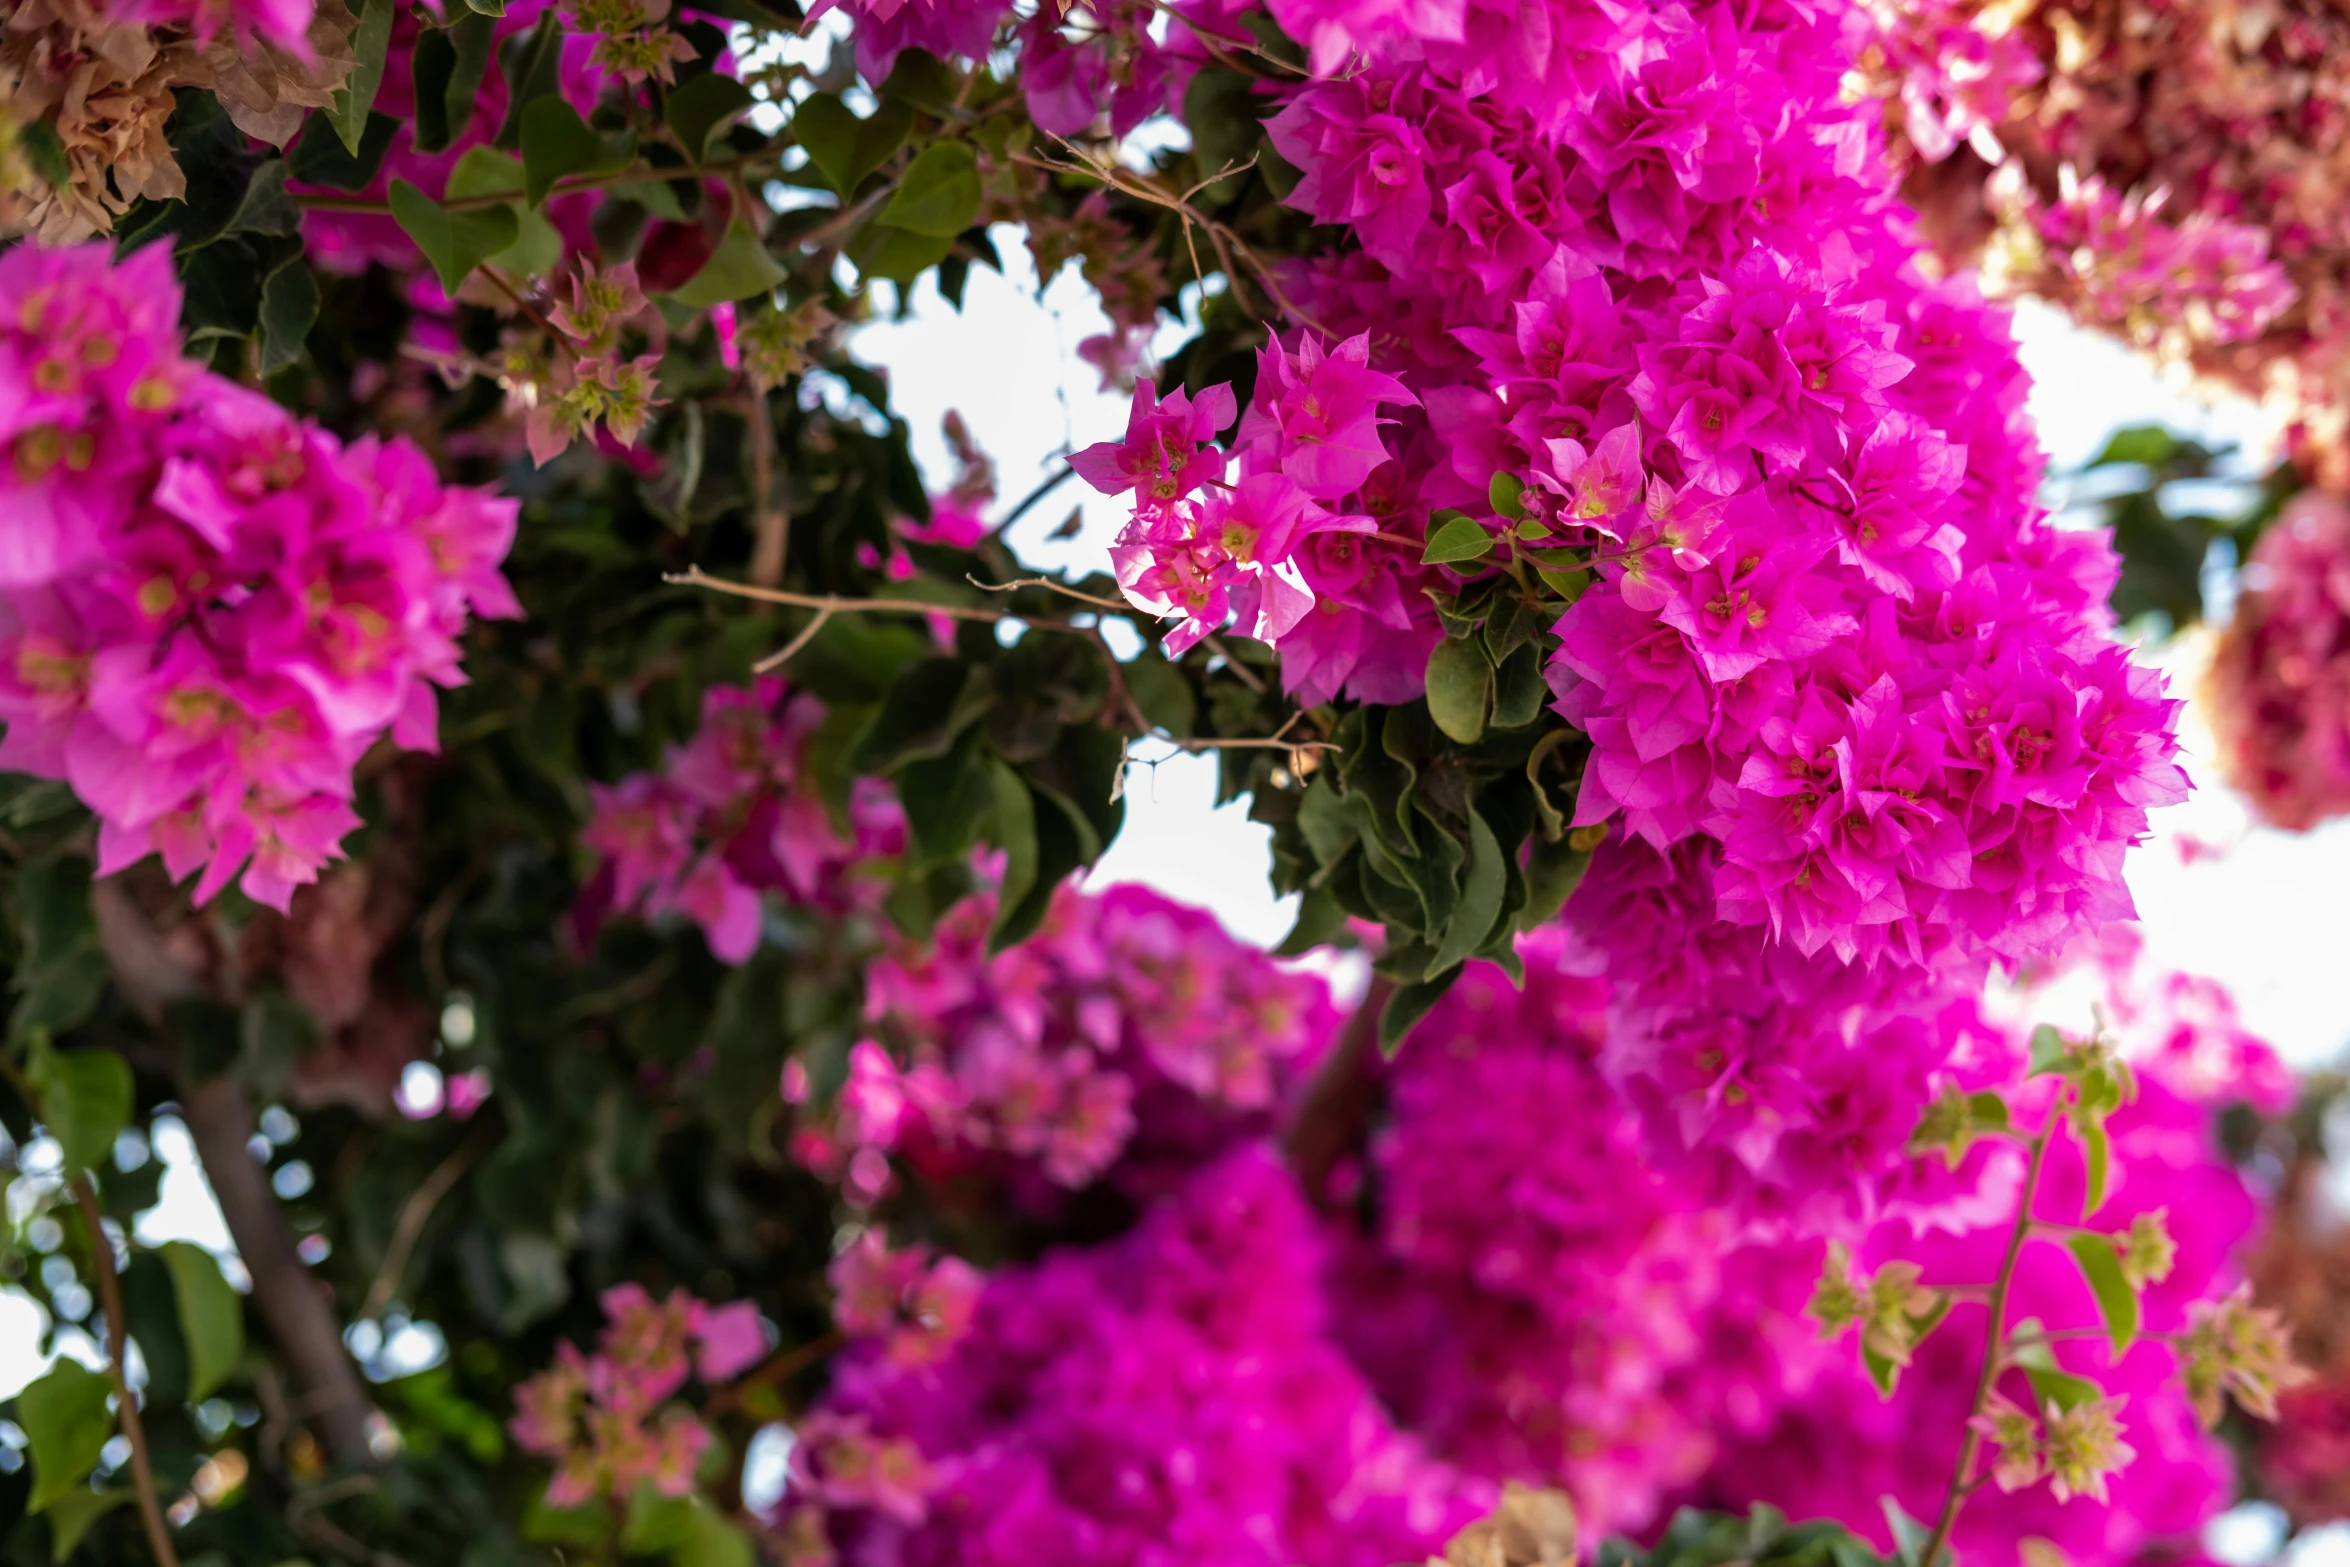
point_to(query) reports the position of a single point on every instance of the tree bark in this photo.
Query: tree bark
(297, 1308)
(1333, 1116)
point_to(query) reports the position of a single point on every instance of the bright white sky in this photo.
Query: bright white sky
(2264, 916)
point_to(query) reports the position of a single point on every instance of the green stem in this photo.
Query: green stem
(1961, 1475)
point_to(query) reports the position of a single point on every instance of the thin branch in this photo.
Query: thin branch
(770, 525)
(1993, 1357)
(1114, 606)
(833, 603)
(409, 1227)
(780, 1366)
(537, 316)
(1241, 672)
(1224, 239)
(783, 655)
(632, 175)
(126, 1406)
(1334, 1113)
(1033, 498)
(294, 1302)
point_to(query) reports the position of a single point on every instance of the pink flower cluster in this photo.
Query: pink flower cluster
(1130, 1035)
(1537, 1300)
(1784, 1087)
(1170, 1396)
(1832, 634)
(2279, 686)
(1955, 71)
(285, 23)
(208, 609)
(2121, 262)
(915, 1306)
(1838, 1449)
(731, 814)
(607, 1419)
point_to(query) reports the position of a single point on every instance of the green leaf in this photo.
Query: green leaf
(532, 65)
(1502, 492)
(590, 1525)
(487, 7)
(45, 150)
(448, 64)
(1883, 1370)
(1460, 538)
(85, 1099)
(901, 255)
(1519, 690)
(71, 1515)
(454, 242)
(1160, 690)
(739, 268)
(711, 1541)
(926, 707)
(2049, 1052)
(484, 171)
(702, 108)
(844, 148)
(211, 1315)
(320, 158)
(2147, 444)
(2061, 1388)
(1554, 869)
(1460, 688)
(1987, 1112)
(2097, 1160)
(1320, 917)
(1407, 1006)
(939, 194)
(349, 116)
(65, 1422)
(557, 142)
(1910, 1537)
(289, 308)
(656, 1524)
(265, 208)
(1015, 834)
(924, 80)
(1480, 906)
(2102, 1267)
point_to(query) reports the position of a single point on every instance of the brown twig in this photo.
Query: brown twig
(292, 1301)
(408, 1229)
(834, 604)
(1114, 606)
(778, 1367)
(1033, 498)
(633, 175)
(1334, 1113)
(770, 526)
(1994, 1356)
(126, 1405)
(783, 655)
(1225, 241)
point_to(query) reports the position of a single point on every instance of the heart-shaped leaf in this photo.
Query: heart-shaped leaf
(557, 142)
(455, 242)
(1456, 538)
(940, 194)
(371, 41)
(844, 148)
(703, 107)
(739, 268)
